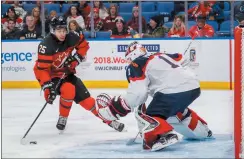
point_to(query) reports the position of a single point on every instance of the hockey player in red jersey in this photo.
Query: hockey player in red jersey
(54, 60)
(172, 87)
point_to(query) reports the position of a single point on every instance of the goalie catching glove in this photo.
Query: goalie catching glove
(110, 109)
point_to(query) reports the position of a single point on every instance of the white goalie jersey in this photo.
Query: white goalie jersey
(157, 73)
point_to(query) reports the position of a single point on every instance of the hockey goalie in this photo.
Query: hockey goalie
(173, 88)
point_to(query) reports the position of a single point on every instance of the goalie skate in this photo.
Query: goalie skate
(117, 125)
(61, 123)
(165, 140)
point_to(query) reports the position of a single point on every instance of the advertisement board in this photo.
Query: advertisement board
(208, 59)
(17, 59)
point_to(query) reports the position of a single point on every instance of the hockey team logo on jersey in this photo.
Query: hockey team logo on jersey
(60, 59)
(149, 47)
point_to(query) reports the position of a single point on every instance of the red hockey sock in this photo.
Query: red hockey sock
(66, 99)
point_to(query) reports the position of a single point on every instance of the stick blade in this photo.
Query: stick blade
(131, 142)
(23, 141)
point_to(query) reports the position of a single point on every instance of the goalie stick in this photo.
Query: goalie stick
(132, 140)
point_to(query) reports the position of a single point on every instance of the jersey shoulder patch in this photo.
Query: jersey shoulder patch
(175, 56)
(135, 71)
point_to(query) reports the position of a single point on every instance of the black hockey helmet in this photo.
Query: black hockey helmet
(57, 23)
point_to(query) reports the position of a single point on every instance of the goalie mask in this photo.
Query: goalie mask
(58, 23)
(135, 50)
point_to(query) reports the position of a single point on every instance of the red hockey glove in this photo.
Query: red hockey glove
(49, 92)
(111, 109)
(73, 61)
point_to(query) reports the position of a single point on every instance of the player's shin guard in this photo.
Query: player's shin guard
(67, 96)
(197, 127)
(66, 99)
(89, 104)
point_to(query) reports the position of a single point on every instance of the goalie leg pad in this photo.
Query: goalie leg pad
(89, 104)
(150, 127)
(150, 137)
(144, 122)
(197, 127)
(67, 94)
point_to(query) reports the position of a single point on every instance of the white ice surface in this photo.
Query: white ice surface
(86, 136)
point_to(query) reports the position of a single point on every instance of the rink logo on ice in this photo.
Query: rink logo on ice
(149, 47)
(16, 56)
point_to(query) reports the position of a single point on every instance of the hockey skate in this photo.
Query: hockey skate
(61, 123)
(165, 140)
(210, 134)
(116, 125)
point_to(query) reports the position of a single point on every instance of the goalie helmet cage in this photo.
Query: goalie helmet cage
(238, 94)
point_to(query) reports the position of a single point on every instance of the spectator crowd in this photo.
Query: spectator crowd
(120, 19)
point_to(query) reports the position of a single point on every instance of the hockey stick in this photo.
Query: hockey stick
(186, 61)
(192, 39)
(188, 46)
(34, 142)
(132, 141)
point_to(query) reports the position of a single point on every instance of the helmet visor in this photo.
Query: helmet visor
(61, 27)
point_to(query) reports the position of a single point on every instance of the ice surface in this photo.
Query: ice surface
(86, 136)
